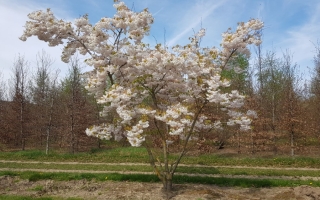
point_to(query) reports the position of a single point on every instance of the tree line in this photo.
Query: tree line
(40, 111)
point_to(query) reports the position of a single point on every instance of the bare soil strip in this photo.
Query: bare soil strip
(93, 190)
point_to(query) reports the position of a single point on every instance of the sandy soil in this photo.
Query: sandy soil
(131, 190)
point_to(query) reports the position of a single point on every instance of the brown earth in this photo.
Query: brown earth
(90, 190)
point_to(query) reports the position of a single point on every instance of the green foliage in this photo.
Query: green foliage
(240, 61)
(239, 81)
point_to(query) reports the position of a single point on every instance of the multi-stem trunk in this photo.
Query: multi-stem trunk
(167, 181)
(163, 172)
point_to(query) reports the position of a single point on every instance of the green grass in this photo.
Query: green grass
(139, 155)
(37, 188)
(248, 171)
(17, 165)
(243, 182)
(220, 181)
(222, 160)
(61, 176)
(127, 154)
(147, 168)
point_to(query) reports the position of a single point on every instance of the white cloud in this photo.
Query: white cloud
(193, 18)
(13, 16)
(300, 40)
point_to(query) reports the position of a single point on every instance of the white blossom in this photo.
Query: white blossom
(140, 85)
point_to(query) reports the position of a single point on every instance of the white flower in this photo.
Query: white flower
(136, 84)
(252, 113)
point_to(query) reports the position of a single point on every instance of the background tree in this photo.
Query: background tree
(19, 113)
(40, 94)
(240, 80)
(291, 107)
(3, 89)
(314, 99)
(4, 137)
(78, 108)
(272, 77)
(52, 114)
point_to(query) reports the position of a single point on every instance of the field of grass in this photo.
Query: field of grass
(146, 168)
(106, 160)
(139, 155)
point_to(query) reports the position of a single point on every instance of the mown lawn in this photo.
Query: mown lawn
(207, 164)
(139, 155)
(146, 168)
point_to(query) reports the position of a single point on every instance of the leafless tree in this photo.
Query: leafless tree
(19, 95)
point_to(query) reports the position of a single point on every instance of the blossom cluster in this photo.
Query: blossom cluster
(142, 85)
(104, 131)
(177, 117)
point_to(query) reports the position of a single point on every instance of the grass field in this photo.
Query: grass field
(139, 155)
(220, 181)
(198, 166)
(182, 169)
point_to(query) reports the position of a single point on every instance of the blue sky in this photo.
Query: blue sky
(292, 25)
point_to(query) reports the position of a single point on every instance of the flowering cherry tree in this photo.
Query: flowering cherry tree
(146, 91)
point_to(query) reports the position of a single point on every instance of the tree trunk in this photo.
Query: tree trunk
(49, 126)
(292, 143)
(252, 143)
(47, 140)
(23, 143)
(167, 181)
(239, 143)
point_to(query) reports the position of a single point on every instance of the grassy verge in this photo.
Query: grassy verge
(181, 169)
(128, 154)
(230, 182)
(14, 165)
(139, 155)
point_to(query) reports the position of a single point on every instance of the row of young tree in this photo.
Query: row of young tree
(40, 111)
(287, 106)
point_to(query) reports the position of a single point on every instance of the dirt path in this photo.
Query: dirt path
(94, 190)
